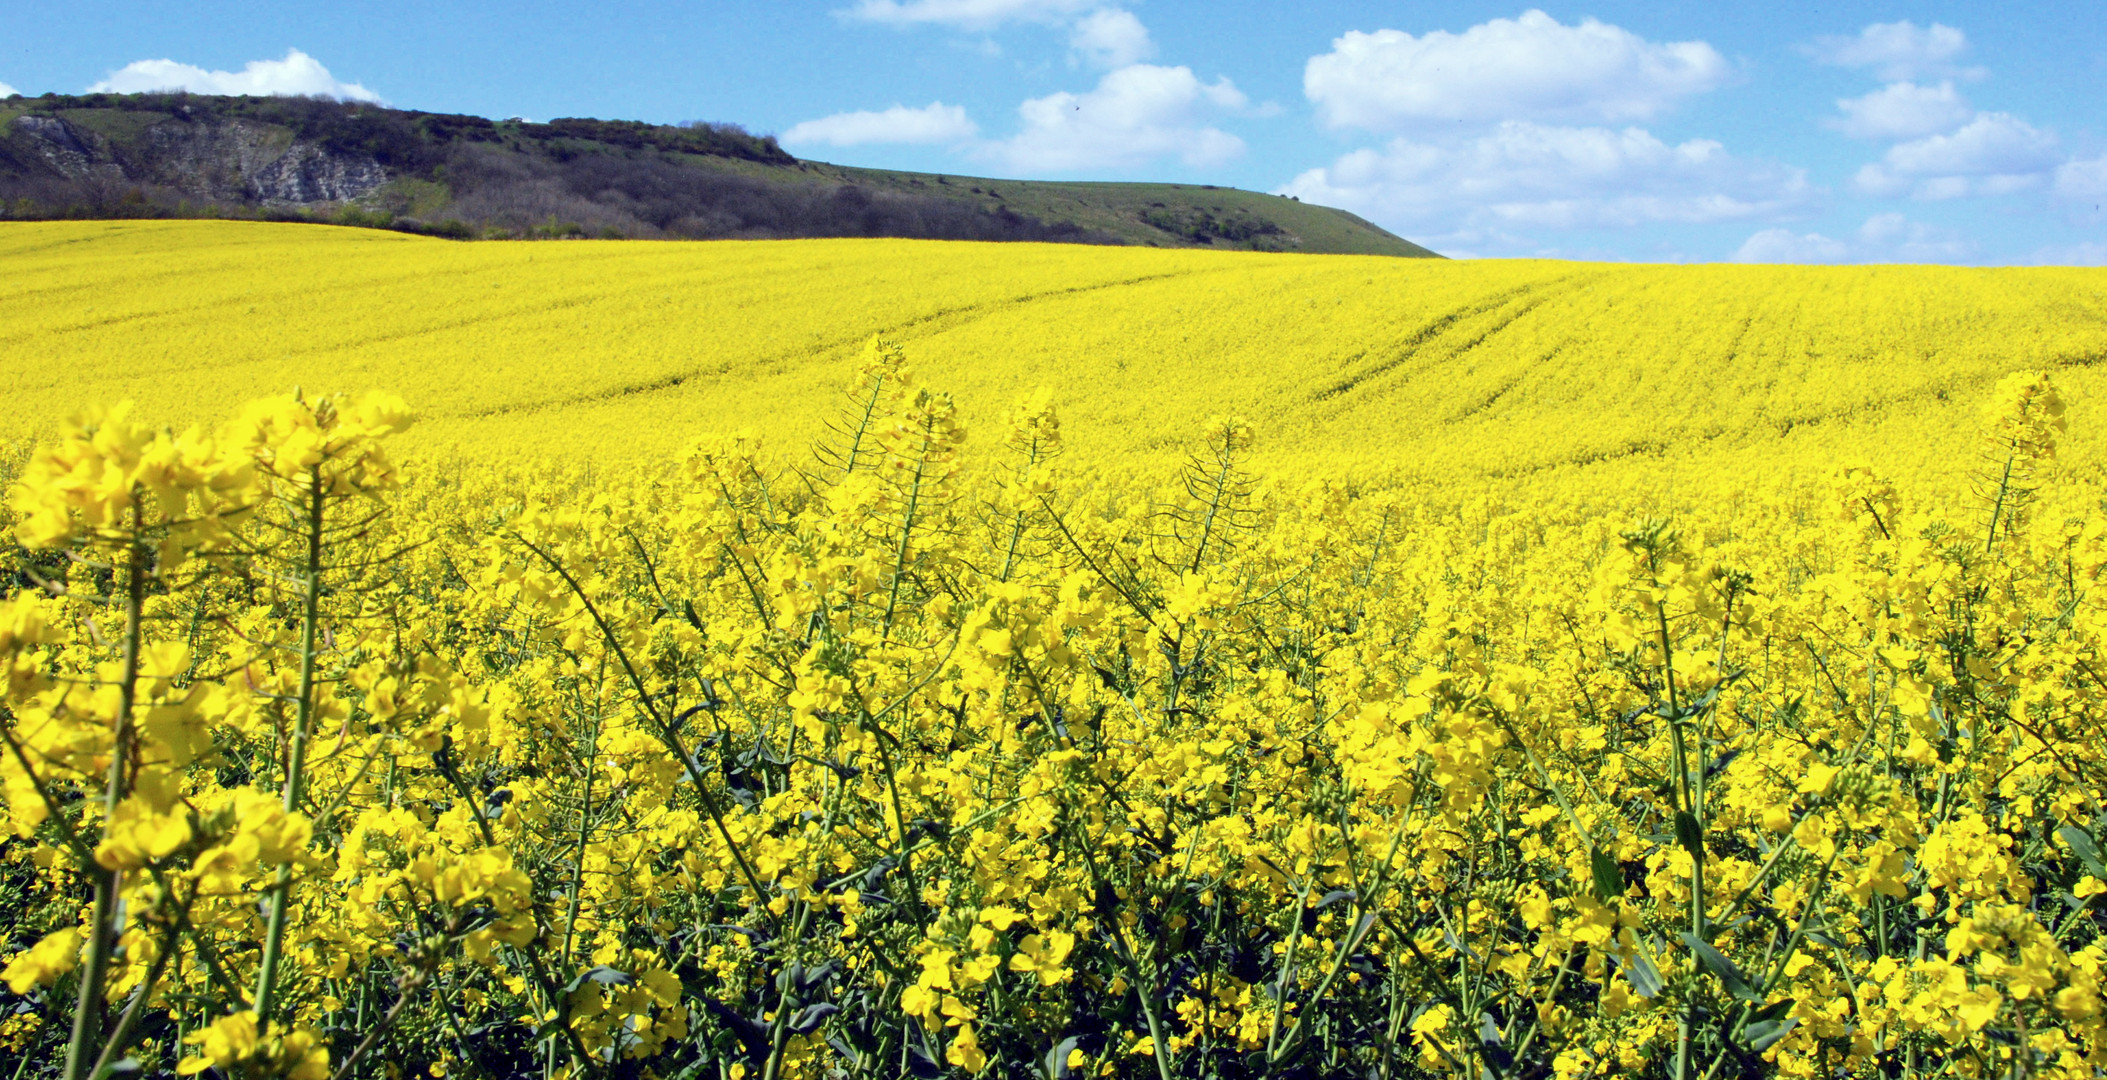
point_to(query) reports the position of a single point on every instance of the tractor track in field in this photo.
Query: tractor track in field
(920, 326)
(1966, 387)
(1522, 300)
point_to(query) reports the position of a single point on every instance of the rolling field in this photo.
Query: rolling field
(868, 658)
(1425, 368)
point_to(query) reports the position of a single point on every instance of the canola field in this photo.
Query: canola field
(872, 659)
(614, 353)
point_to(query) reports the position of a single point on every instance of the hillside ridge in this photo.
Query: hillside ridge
(177, 155)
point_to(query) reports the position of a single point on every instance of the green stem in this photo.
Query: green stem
(296, 755)
(1997, 508)
(786, 999)
(907, 523)
(1287, 971)
(1682, 792)
(664, 724)
(585, 819)
(102, 934)
(128, 1021)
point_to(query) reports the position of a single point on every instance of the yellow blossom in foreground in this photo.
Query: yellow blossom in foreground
(1522, 689)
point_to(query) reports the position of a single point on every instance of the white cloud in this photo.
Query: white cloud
(1894, 238)
(1885, 238)
(2088, 253)
(1136, 113)
(2083, 179)
(1994, 154)
(1903, 110)
(298, 73)
(7, 91)
(1111, 38)
(1532, 68)
(1525, 176)
(1785, 246)
(935, 122)
(1099, 35)
(1991, 143)
(1885, 228)
(1898, 51)
(968, 14)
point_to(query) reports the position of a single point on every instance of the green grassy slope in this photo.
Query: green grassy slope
(1159, 215)
(178, 155)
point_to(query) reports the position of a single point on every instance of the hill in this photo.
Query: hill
(1457, 373)
(1159, 215)
(187, 156)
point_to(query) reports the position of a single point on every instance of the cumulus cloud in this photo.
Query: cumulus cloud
(968, 14)
(1100, 35)
(1898, 51)
(1993, 154)
(1992, 143)
(1943, 148)
(1137, 113)
(1785, 246)
(7, 91)
(933, 123)
(1890, 238)
(1524, 175)
(1529, 68)
(2089, 253)
(1895, 238)
(2083, 179)
(1903, 110)
(298, 73)
(1111, 38)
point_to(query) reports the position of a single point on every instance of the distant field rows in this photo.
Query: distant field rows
(612, 352)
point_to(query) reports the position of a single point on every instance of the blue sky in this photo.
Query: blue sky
(1802, 132)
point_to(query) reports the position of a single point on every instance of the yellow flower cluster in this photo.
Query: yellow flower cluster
(912, 760)
(238, 1047)
(970, 746)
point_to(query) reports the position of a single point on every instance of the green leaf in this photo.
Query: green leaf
(1057, 1059)
(1645, 979)
(1334, 897)
(1609, 879)
(1763, 1036)
(602, 974)
(1716, 962)
(1496, 1052)
(1689, 835)
(2088, 852)
(1821, 938)
(1696, 708)
(810, 1017)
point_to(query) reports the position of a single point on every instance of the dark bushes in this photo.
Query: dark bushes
(652, 197)
(568, 177)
